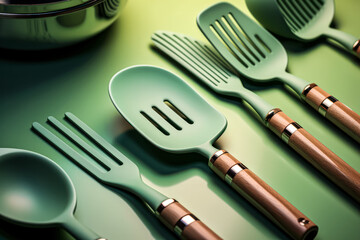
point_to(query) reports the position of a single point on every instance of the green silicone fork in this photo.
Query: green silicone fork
(119, 172)
(256, 54)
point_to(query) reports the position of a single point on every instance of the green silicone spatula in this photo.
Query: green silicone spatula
(36, 192)
(256, 54)
(303, 20)
(112, 168)
(171, 115)
(211, 70)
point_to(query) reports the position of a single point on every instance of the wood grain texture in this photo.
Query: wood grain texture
(267, 200)
(319, 156)
(327, 162)
(279, 122)
(316, 96)
(174, 212)
(345, 118)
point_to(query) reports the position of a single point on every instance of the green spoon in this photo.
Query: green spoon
(256, 54)
(36, 192)
(171, 115)
(211, 70)
(303, 20)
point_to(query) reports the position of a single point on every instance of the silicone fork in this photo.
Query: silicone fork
(120, 172)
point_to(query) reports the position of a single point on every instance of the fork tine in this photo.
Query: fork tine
(231, 46)
(168, 46)
(186, 51)
(101, 142)
(81, 143)
(191, 49)
(68, 151)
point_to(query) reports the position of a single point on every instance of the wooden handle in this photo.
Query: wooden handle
(183, 222)
(337, 112)
(316, 153)
(262, 196)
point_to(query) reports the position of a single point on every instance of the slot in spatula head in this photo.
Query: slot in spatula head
(248, 47)
(302, 20)
(165, 109)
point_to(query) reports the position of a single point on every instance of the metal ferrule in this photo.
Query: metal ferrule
(183, 223)
(164, 204)
(307, 89)
(231, 173)
(356, 47)
(271, 114)
(289, 130)
(324, 106)
(215, 156)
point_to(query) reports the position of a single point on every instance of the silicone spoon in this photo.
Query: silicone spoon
(171, 115)
(303, 20)
(36, 192)
(116, 170)
(256, 54)
(208, 67)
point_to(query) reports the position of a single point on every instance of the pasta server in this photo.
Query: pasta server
(116, 170)
(256, 54)
(303, 20)
(211, 70)
(171, 115)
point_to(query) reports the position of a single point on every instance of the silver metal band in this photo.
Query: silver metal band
(289, 130)
(215, 156)
(324, 106)
(164, 204)
(183, 223)
(231, 173)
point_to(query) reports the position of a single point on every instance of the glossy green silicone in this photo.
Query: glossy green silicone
(36, 192)
(301, 20)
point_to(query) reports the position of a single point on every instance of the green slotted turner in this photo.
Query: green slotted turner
(303, 20)
(113, 168)
(171, 115)
(256, 54)
(211, 70)
(36, 192)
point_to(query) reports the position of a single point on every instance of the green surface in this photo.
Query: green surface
(36, 85)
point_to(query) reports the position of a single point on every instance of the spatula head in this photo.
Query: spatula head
(302, 20)
(164, 109)
(248, 47)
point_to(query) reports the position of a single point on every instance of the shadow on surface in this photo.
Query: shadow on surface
(21, 70)
(165, 163)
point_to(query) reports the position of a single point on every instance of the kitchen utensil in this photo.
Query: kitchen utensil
(116, 170)
(171, 115)
(302, 20)
(46, 24)
(36, 192)
(211, 70)
(256, 54)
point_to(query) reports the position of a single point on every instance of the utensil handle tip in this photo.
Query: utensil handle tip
(262, 196)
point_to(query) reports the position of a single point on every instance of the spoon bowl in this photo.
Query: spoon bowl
(36, 192)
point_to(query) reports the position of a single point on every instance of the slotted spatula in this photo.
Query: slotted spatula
(211, 70)
(256, 54)
(303, 20)
(171, 115)
(116, 170)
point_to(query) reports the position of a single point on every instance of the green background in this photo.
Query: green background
(38, 84)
